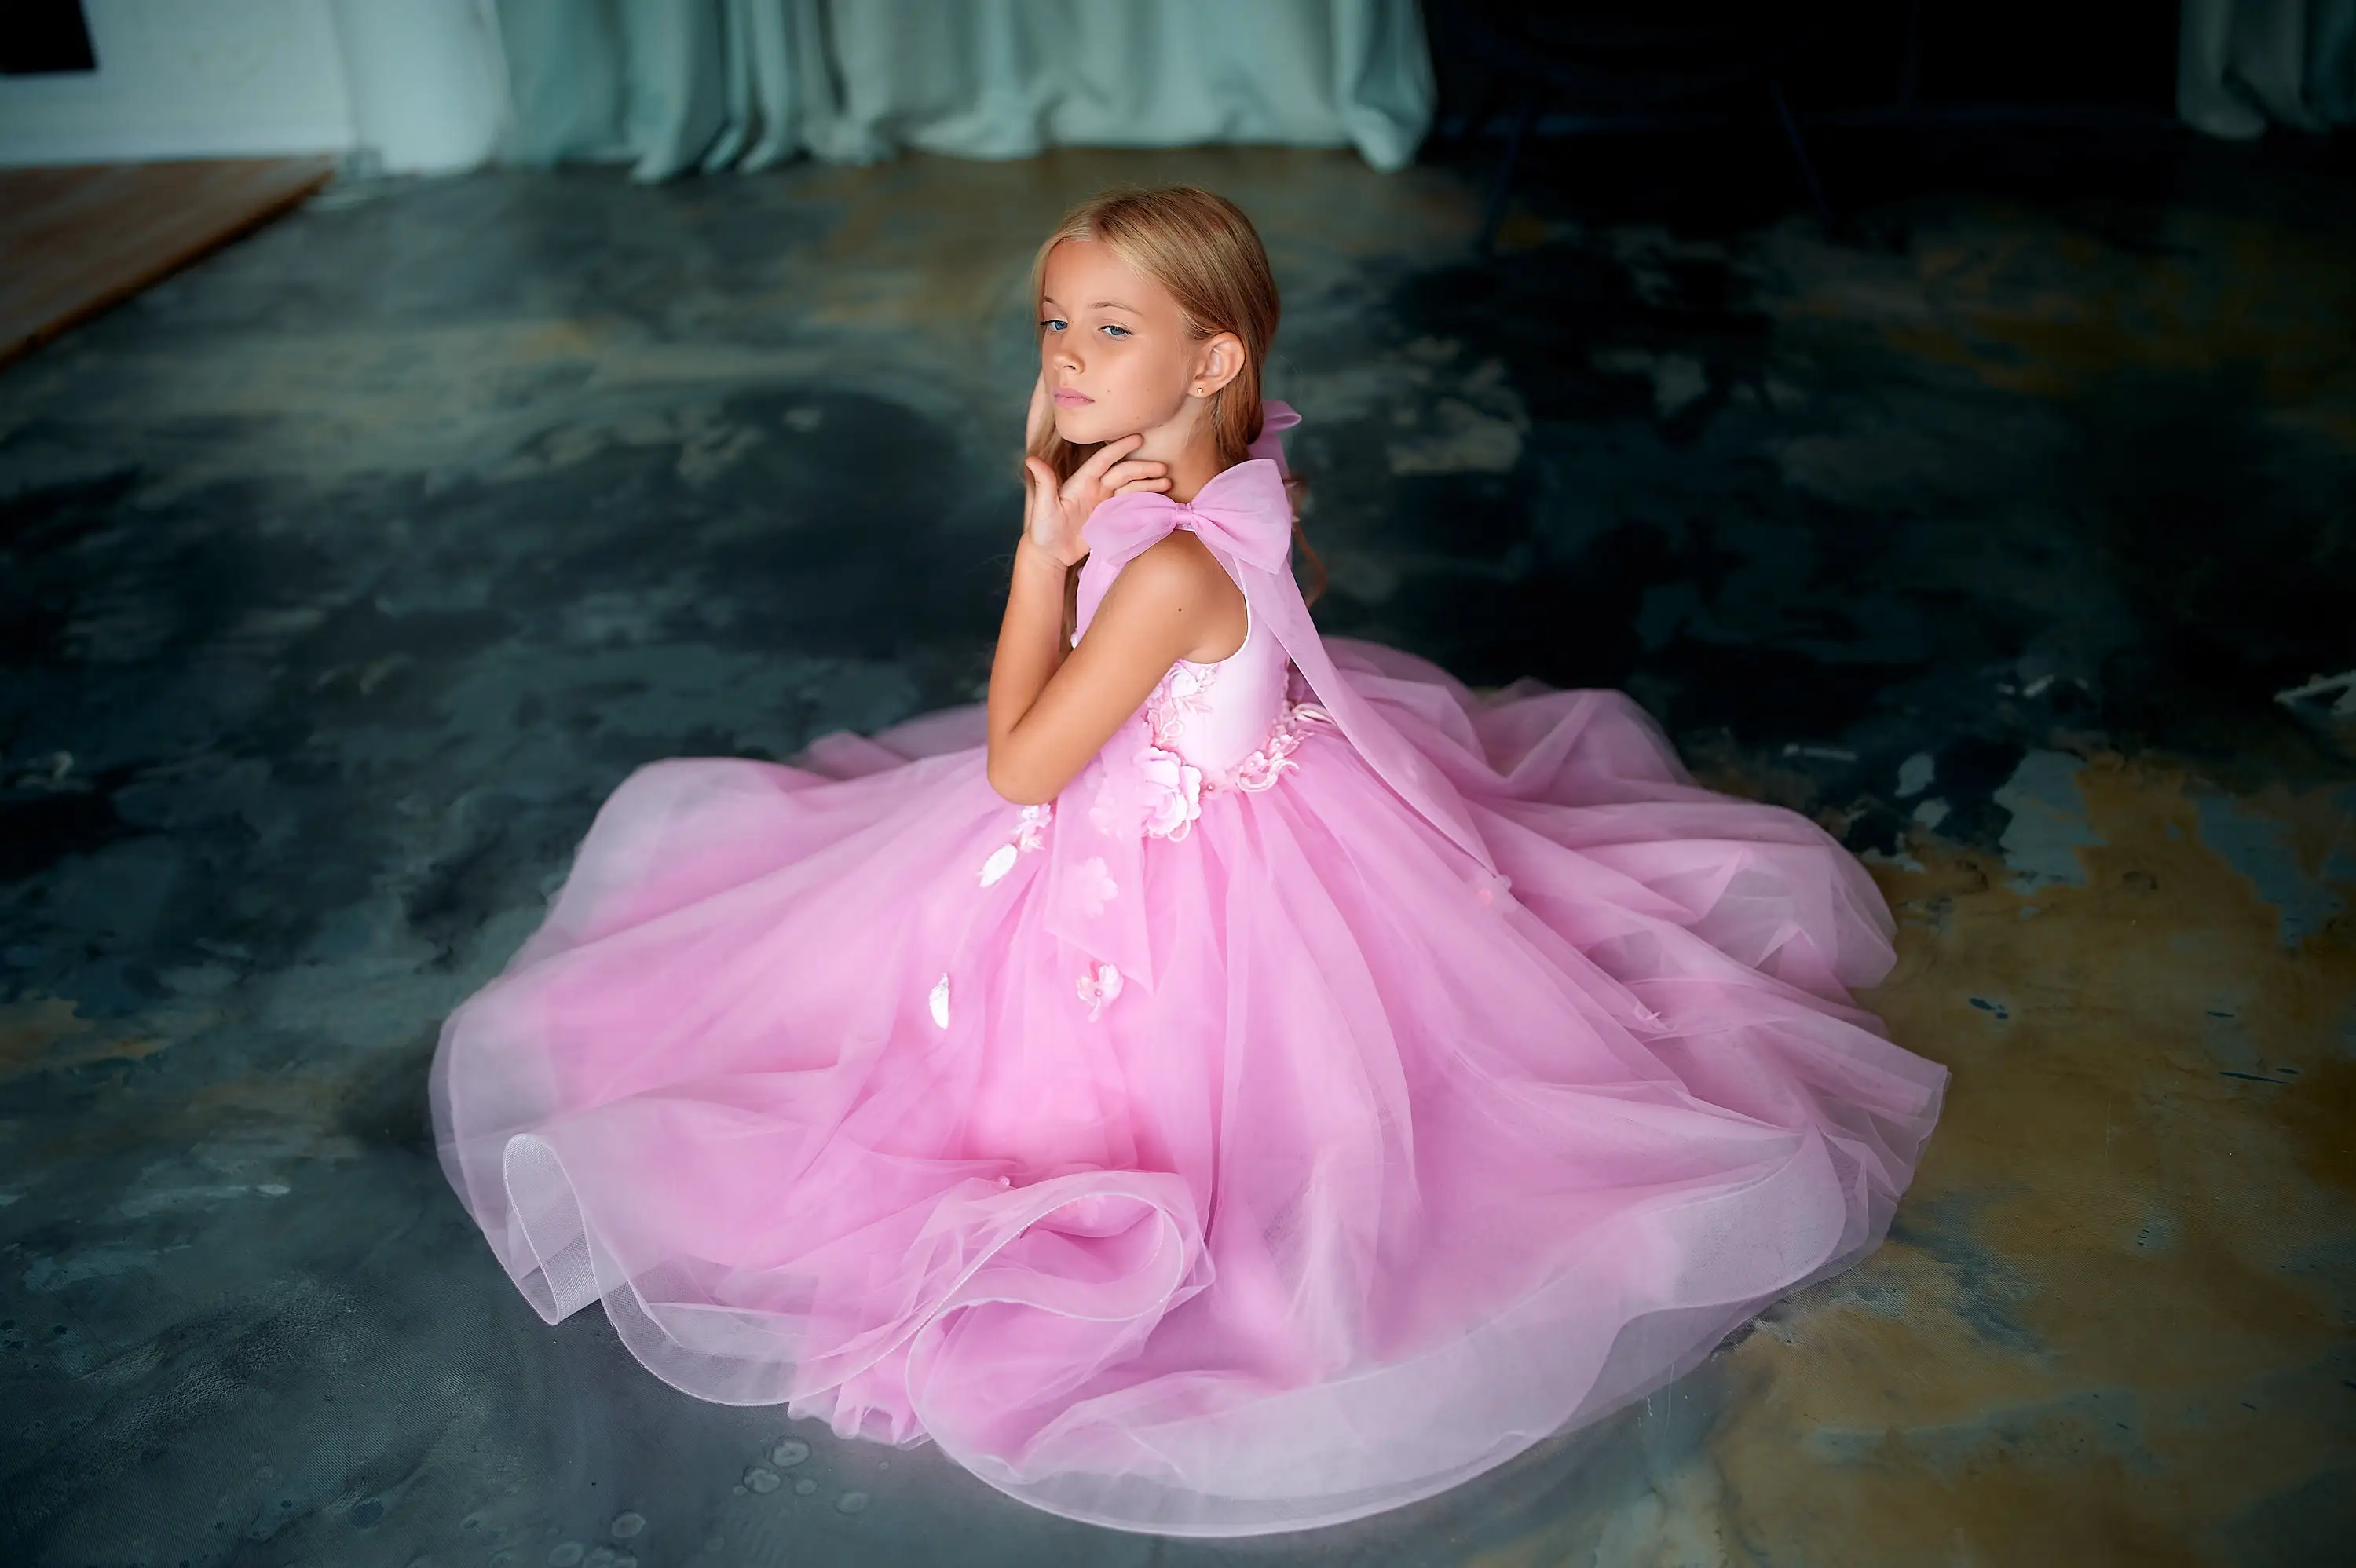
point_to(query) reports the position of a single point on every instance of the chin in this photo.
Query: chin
(1085, 427)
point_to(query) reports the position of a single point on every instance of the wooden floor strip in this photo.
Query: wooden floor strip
(74, 240)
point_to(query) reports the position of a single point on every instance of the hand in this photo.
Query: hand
(1057, 513)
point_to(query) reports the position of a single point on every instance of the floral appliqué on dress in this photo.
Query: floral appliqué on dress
(1273, 761)
(1170, 786)
(1093, 887)
(1184, 693)
(1030, 833)
(1099, 985)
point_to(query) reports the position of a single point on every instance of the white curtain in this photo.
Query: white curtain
(2241, 63)
(683, 85)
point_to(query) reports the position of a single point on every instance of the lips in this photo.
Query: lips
(1067, 398)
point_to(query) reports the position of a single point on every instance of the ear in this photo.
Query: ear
(1219, 359)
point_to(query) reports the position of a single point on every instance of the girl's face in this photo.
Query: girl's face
(1117, 356)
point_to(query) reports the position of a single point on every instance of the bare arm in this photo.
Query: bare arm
(1030, 655)
(1049, 712)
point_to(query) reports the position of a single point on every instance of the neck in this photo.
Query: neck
(1196, 467)
(1190, 448)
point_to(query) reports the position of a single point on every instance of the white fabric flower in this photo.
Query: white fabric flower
(1173, 788)
(1097, 987)
(1093, 887)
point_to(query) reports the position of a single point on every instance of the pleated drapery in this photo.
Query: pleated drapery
(2242, 63)
(679, 86)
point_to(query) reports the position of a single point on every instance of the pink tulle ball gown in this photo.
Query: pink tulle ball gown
(1346, 1082)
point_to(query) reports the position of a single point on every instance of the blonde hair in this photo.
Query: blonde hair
(1200, 247)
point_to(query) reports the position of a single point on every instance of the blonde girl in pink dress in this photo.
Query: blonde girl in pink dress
(1232, 1082)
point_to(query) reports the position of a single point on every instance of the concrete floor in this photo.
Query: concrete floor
(342, 576)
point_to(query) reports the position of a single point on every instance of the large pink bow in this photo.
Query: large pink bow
(1242, 512)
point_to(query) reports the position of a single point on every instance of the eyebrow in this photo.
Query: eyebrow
(1099, 304)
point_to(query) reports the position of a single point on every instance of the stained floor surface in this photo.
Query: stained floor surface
(343, 575)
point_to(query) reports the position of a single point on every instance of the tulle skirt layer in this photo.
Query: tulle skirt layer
(1398, 1166)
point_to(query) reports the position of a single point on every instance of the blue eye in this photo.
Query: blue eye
(1053, 324)
(1109, 330)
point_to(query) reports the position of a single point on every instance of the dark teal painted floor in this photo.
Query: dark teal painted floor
(344, 574)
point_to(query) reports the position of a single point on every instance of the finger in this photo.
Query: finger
(1108, 454)
(1042, 482)
(1136, 485)
(1120, 473)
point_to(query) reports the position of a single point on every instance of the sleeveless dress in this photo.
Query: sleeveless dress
(1345, 1082)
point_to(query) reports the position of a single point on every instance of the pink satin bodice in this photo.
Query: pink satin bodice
(1217, 715)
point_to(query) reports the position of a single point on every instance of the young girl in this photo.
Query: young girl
(1237, 1081)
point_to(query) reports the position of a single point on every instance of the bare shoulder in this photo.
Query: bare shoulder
(1178, 571)
(1177, 597)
